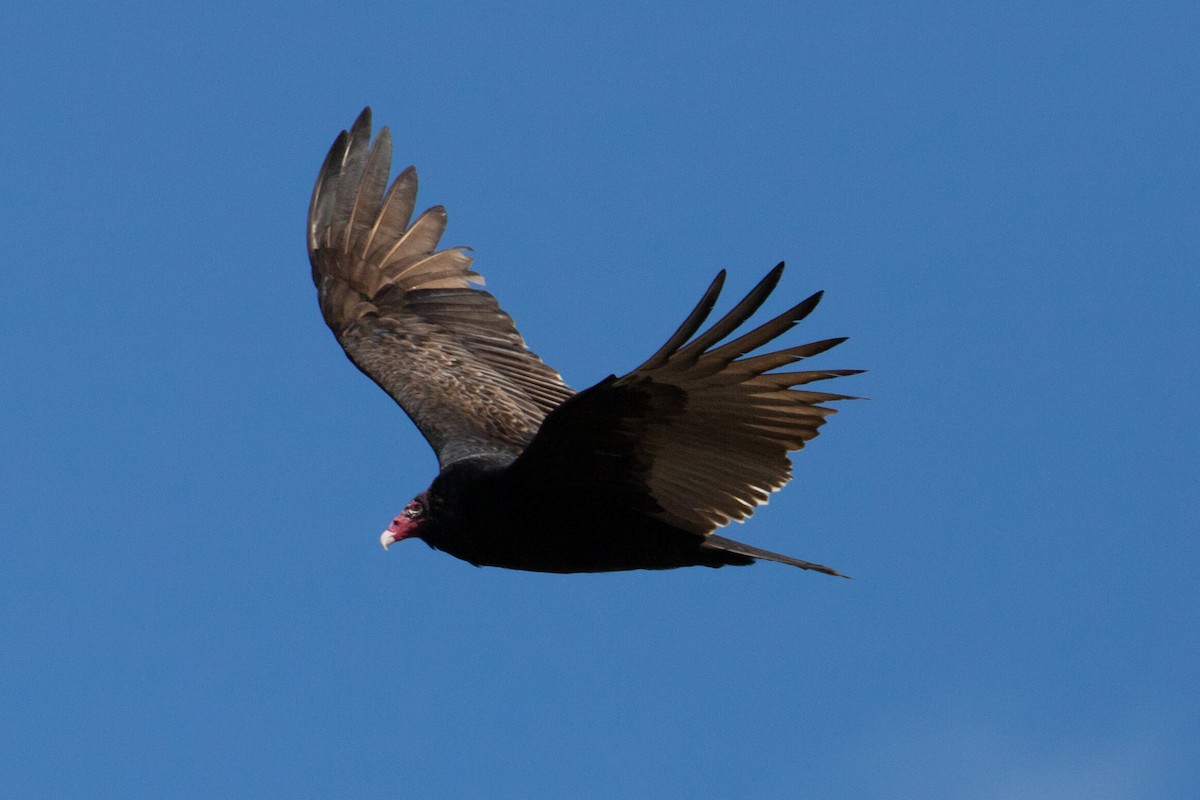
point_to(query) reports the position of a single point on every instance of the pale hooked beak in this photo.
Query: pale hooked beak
(401, 528)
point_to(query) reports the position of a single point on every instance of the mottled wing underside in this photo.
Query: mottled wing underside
(406, 315)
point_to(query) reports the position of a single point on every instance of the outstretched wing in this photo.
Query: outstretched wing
(699, 434)
(405, 313)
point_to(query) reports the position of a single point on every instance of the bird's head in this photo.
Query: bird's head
(408, 523)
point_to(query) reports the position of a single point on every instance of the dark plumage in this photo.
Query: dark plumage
(634, 473)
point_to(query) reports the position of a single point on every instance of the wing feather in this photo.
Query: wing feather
(405, 312)
(690, 325)
(396, 210)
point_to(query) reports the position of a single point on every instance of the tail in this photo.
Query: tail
(730, 546)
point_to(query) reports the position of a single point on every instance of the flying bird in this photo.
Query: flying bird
(636, 472)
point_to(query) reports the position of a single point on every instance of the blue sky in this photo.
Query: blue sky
(1001, 204)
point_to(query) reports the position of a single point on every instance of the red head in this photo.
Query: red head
(407, 524)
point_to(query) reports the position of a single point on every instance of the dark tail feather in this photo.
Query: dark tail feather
(730, 546)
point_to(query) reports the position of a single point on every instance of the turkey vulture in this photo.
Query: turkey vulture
(634, 473)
